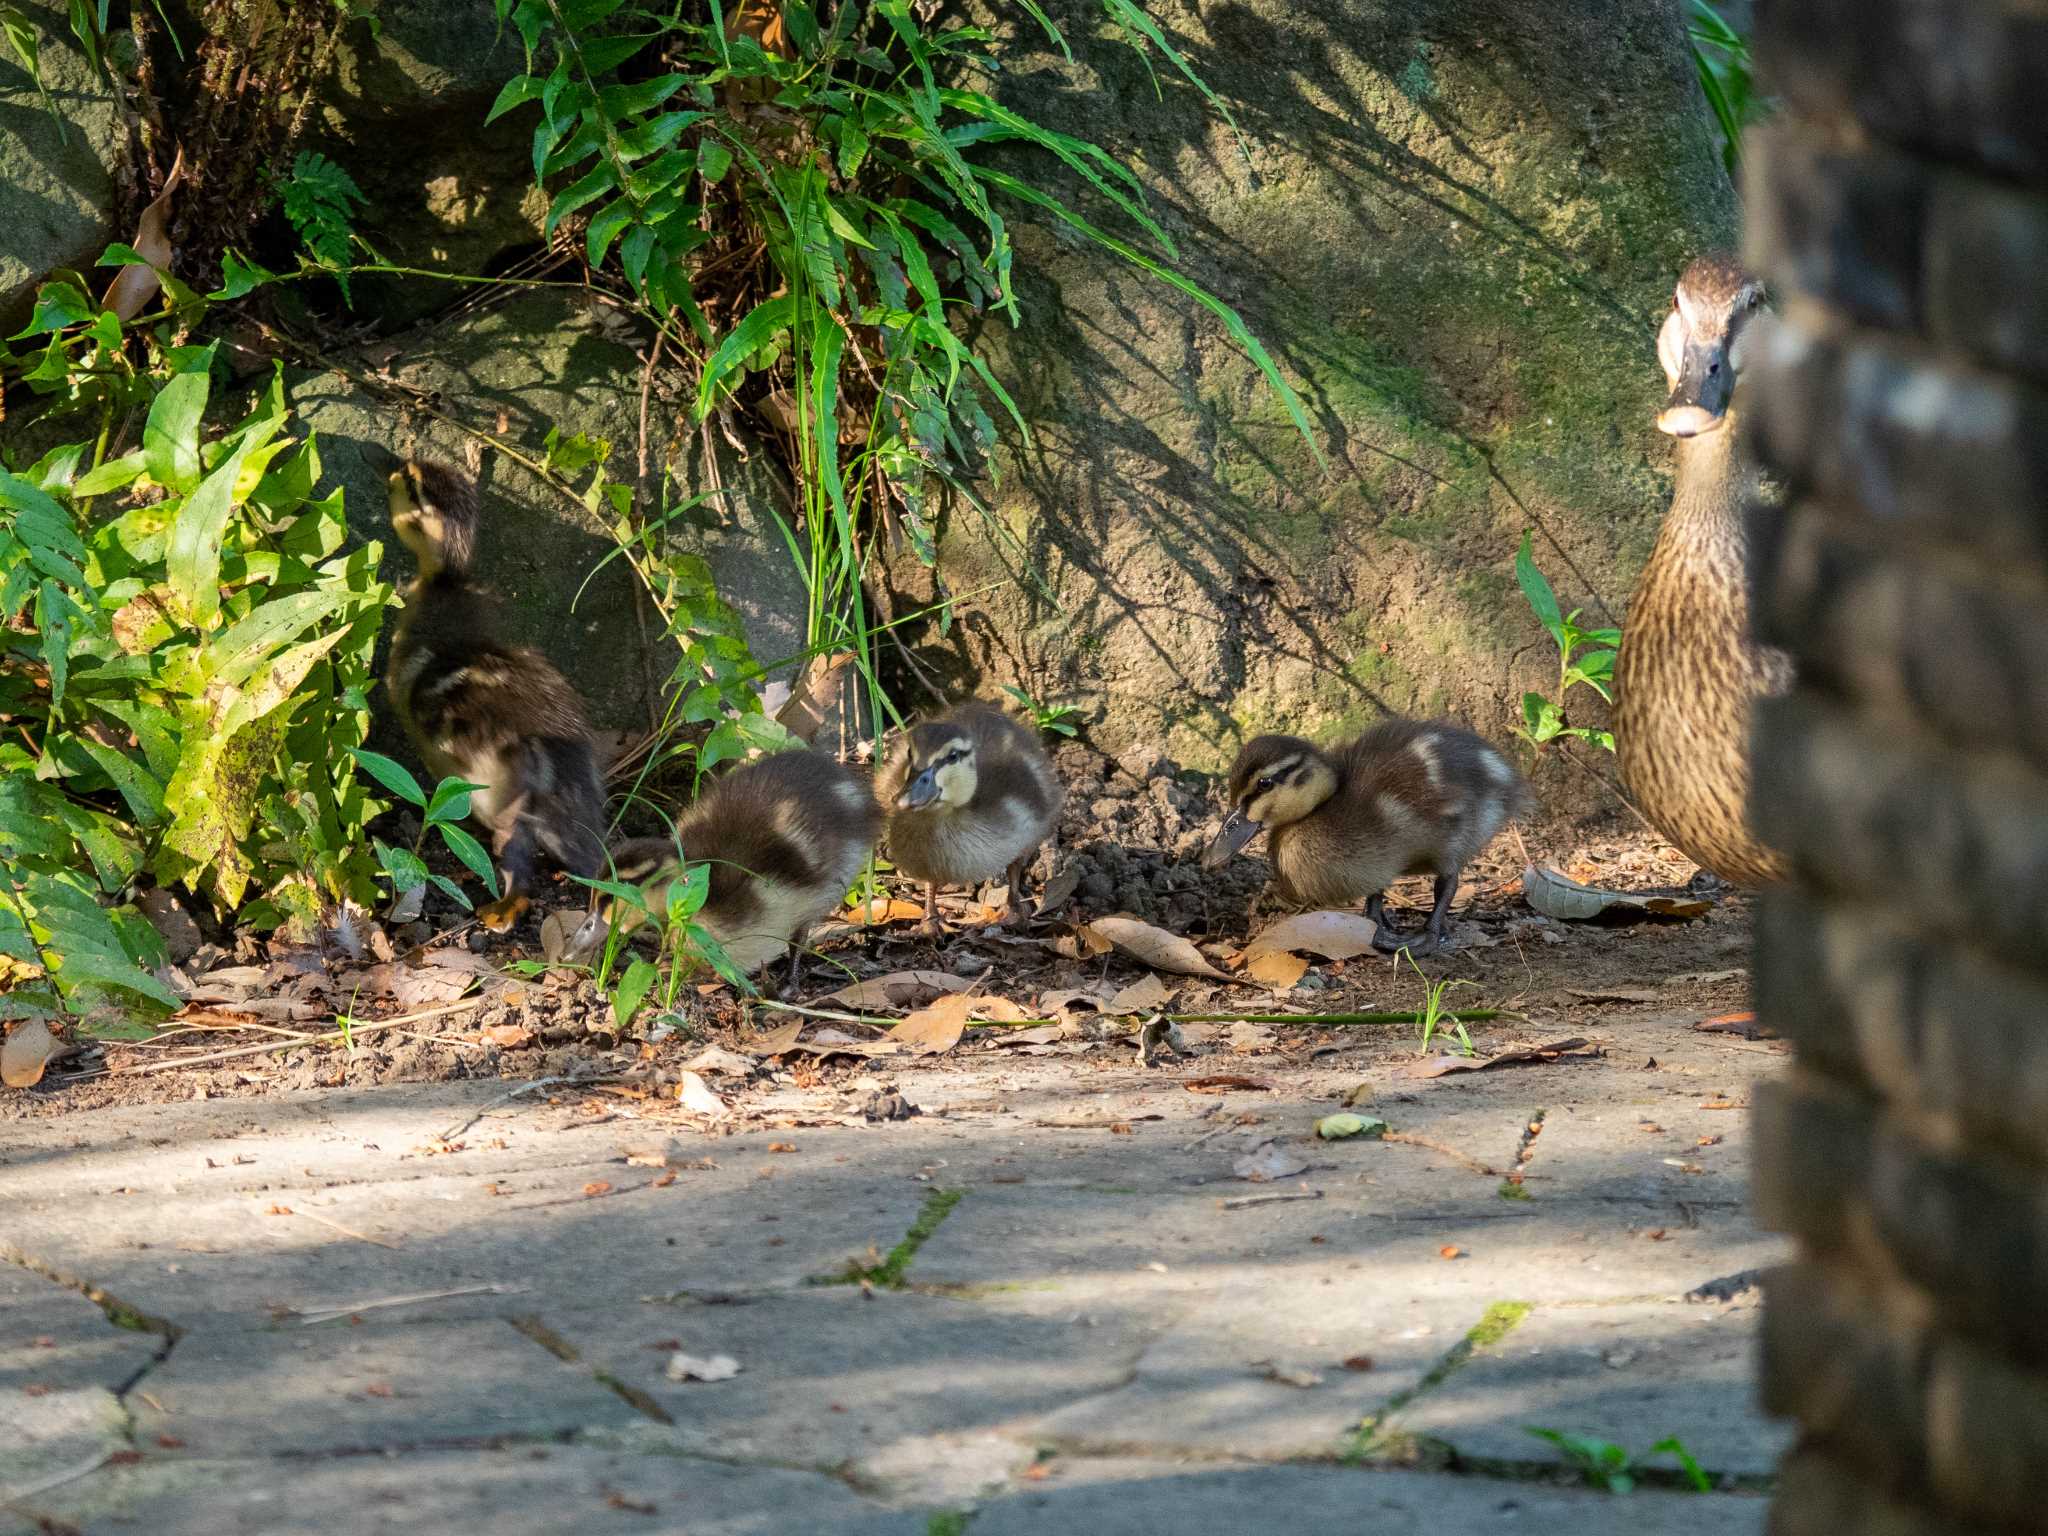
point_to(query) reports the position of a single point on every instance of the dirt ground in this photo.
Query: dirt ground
(1129, 842)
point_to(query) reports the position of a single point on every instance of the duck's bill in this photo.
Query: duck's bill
(922, 791)
(1699, 400)
(1237, 830)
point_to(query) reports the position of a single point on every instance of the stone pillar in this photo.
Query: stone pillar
(1900, 208)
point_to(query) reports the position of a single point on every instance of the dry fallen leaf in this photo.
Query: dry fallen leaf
(277, 1210)
(1225, 1082)
(775, 1041)
(1333, 935)
(133, 287)
(1152, 946)
(1437, 1066)
(885, 909)
(1145, 995)
(664, 1181)
(1275, 967)
(935, 1028)
(781, 1146)
(1292, 1375)
(28, 1050)
(1450, 1251)
(1266, 1162)
(695, 1095)
(1358, 1362)
(595, 1188)
(899, 989)
(1708, 1141)
(509, 1037)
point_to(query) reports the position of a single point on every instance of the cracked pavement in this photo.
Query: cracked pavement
(303, 1313)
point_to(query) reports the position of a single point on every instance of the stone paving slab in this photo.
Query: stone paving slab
(1631, 1375)
(1163, 1498)
(53, 1338)
(526, 1491)
(346, 1390)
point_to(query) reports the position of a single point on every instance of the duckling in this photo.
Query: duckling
(476, 708)
(785, 837)
(1689, 673)
(970, 795)
(1409, 797)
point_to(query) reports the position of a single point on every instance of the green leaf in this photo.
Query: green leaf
(713, 160)
(471, 852)
(405, 867)
(192, 556)
(58, 304)
(761, 325)
(1541, 717)
(632, 991)
(240, 276)
(390, 774)
(619, 102)
(605, 226)
(519, 90)
(450, 801)
(170, 437)
(453, 890)
(1537, 591)
(57, 617)
(113, 475)
(591, 187)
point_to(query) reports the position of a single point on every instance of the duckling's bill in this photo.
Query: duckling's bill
(1237, 830)
(920, 791)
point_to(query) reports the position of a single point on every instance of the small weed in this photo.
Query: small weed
(1610, 1468)
(951, 1522)
(1510, 1190)
(1584, 656)
(1434, 1018)
(442, 811)
(320, 200)
(888, 1275)
(1721, 55)
(1057, 718)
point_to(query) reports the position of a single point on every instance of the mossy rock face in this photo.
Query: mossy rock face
(56, 178)
(1455, 225)
(403, 113)
(514, 370)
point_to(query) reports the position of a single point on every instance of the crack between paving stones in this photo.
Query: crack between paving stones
(1372, 1438)
(889, 1274)
(533, 1327)
(119, 1314)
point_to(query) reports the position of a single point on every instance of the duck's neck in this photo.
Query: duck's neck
(1705, 521)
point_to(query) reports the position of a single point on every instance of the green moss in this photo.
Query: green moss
(952, 1522)
(1510, 1190)
(1375, 1438)
(888, 1275)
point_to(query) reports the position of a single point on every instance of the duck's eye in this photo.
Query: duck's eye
(1266, 784)
(1756, 301)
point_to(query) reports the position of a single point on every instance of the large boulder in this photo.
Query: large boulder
(1455, 224)
(553, 359)
(56, 185)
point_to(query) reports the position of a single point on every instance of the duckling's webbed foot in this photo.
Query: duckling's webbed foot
(516, 850)
(1385, 937)
(1021, 907)
(931, 928)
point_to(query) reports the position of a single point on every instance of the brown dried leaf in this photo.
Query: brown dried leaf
(1150, 946)
(1450, 1251)
(1145, 995)
(695, 1095)
(775, 1041)
(936, 1028)
(595, 1188)
(509, 1037)
(1437, 1066)
(28, 1050)
(884, 909)
(1333, 935)
(1559, 896)
(1277, 968)
(899, 989)
(133, 287)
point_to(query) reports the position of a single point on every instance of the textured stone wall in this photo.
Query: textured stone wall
(1901, 207)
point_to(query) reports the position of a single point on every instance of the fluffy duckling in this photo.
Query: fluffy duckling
(1409, 797)
(476, 708)
(785, 837)
(970, 795)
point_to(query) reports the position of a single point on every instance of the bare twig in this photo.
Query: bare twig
(332, 1038)
(329, 1314)
(1291, 1194)
(520, 1092)
(361, 1237)
(1407, 1139)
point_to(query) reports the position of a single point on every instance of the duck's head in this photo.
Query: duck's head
(1703, 344)
(434, 514)
(1275, 780)
(942, 770)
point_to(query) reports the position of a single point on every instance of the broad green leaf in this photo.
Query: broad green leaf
(139, 788)
(471, 852)
(450, 800)
(519, 90)
(30, 826)
(170, 437)
(761, 325)
(1537, 590)
(619, 102)
(405, 867)
(113, 475)
(390, 774)
(192, 556)
(713, 160)
(240, 276)
(58, 304)
(605, 226)
(453, 890)
(632, 991)
(593, 186)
